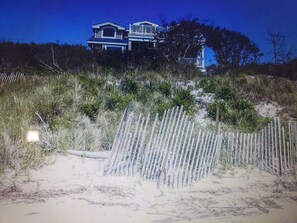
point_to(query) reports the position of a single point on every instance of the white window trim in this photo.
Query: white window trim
(109, 37)
(121, 47)
(108, 43)
(143, 22)
(108, 23)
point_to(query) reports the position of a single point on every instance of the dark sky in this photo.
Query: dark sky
(70, 21)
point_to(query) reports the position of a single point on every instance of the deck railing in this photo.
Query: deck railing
(198, 62)
(143, 29)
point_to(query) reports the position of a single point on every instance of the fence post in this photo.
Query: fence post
(280, 146)
(217, 118)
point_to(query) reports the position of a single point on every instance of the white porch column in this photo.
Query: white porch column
(202, 56)
(129, 45)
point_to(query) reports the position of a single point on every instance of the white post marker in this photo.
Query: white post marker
(32, 136)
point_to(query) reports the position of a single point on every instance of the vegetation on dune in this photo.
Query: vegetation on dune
(81, 111)
(237, 95)
(255, 88)
(74, 112)
(74, 97)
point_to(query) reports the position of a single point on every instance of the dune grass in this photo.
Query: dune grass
(81, 111)
(74, 112)
(237, 96)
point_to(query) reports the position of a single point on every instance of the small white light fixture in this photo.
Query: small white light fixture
(32, 136)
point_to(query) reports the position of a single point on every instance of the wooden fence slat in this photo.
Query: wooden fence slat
(171, 149)
(275, 143)
(186, 142)
(207, 157)
(262, 149)
(284, 149)
(188, 160)
(195, 158)
(155, 161)
(269, 147)
(182, 138)
(199, 158)
(280, 148)
(175, 154)
(168, 146)
(203, 152)
(175, 145)
(141, 147)
(148, 148)
(235, 149)
(290, 143)
(122, 143)
(133, 147)
(206, 154)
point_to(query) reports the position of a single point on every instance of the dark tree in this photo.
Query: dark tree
(53, 57)
(280, 52)
(184, 39)
(179, 40)
(232, 49)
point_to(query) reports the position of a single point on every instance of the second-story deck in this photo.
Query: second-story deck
(142, 29)
(198, 62)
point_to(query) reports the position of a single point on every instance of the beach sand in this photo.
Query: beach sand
(73, 189)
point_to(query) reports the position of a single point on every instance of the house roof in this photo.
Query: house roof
(108, 23)
(108, 41)
(139, 23)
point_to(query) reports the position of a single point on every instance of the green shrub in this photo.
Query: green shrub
(184, 98)
(145, 94)
(129, 86)
(161, 107)
(225, 92)
(116, 101)
(50, 104)
(294, 111)
(90, 85)
(90, 108)
(60, 85)
(209, 85)
(165, 88)
(239, 113)
(243, 105)
(225, 111)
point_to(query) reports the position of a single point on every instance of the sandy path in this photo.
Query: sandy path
(74, 190)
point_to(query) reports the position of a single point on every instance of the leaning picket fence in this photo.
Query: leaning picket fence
(174, 152)
(272, 149)
(170, 151)
(10, 78)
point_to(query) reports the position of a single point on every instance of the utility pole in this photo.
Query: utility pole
(278, 43)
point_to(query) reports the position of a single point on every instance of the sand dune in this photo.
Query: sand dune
(73, 189)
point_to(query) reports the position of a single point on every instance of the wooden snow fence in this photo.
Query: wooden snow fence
(10, 78)
(272, 149)
(171, 151)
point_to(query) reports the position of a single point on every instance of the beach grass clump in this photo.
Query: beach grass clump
(82, 111)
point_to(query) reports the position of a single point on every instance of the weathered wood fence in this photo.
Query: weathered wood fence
(170, 151)
(272, 149)
(173, 152)
(9, 78)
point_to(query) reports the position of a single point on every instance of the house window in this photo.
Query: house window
(109, 32)
(114, 49)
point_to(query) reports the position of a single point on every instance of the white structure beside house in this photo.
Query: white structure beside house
(112, 37)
